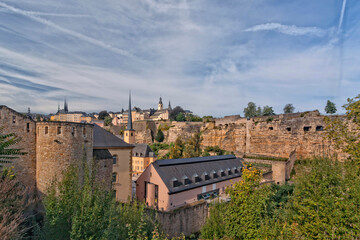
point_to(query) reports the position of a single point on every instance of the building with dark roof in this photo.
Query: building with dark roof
(172, 183)
(120, 152)
(142, 157)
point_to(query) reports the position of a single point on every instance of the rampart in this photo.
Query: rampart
(58, 145)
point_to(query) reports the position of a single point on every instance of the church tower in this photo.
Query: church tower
(129, 133)
(160, 105)
(66, 109)
(169, 107)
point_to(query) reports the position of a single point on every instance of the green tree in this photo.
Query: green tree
(103, 115)
(289, 108)
(252, 111)
(330, 107)
(175, 112)
(176, 151)
(267, 111)
(160, 136)
(108, 121)
(192, 146)
(180, 117)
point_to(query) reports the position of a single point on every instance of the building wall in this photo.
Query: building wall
(103, 172)
(140, 163)
(56, 151)
(23, 127)
(123, 169)
(168, 202)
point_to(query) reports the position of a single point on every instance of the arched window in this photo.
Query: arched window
(114, 178)
(46, 130)
(115, 159)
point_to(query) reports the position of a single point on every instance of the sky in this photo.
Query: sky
(209, 56)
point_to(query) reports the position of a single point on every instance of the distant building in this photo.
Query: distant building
(63, 115)
(142, 154)
(172, 183)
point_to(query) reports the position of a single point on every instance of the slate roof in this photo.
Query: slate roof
(191, 168)
(143, 150)
(104, 139)
(100, 154)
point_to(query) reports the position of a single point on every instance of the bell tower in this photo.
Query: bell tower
(160, 105)
(129, 133)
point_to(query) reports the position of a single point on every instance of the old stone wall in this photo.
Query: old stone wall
(186, 220)
(24, 127)
(276, 136)
(58, 145)
(103, 172)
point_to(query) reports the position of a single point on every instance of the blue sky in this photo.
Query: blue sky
(211, 57)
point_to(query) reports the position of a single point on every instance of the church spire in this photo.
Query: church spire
(169, 107)
(129, 125)
(66, 109)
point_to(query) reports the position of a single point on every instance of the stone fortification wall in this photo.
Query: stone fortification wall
(186, 220)
(58, 145)
(24, 127)
(276, 136)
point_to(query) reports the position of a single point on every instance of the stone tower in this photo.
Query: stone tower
(129, 133)
(160, 105)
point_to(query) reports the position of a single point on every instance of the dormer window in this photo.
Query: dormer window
(221, 173)
(240, 168)
(196, 178)
(213, 174)
(235, 170)
(175, 182)
(186, 180)
(228, 171)
(206, 176)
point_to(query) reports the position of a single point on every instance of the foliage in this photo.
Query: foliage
(192, 147)
(180, 117)
(103, 114)
(77, 208)
(345, 135)
(193, 118)
(214, 226)
(159, 146)
(174, 113)
(176, 151)
(265, 157)
(289, 108)
(16, 207)
(267, 111)
(215, 149)
(108, 121)
(159, 136)
(251, 110)
(7, 151)
(330, 107)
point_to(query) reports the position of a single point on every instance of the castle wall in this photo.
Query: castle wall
(58, 145)
(14, 122)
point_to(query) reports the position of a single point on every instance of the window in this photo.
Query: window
(46, 130)
(271, 128)
(288, 129)
(14, 119)
(319, 128)
(73, 131)
(59, 130)
(114, 178)
(28, 127)
(115, 159)
(126, 134)
(84, 132)
(307, 128)
(186, 180)
(132, 134)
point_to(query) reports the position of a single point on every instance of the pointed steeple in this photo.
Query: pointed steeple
(66, 109)
(129, 125)
(58, 108)
(160, 105)
(169, 107)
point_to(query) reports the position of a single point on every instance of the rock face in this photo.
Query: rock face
(276, 136)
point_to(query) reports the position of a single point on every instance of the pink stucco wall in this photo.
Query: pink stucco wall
(167, 202)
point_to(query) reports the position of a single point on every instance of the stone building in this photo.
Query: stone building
(173, 183)
(63, 115)
(51, 147)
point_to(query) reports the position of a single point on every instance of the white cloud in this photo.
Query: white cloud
(288, 29)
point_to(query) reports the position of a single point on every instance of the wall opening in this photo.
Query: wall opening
(115, 159)
(73, 131)
(114, 178)
(46, 130)
(59, 130)
(271, 128)
(319, 128)
(307, 128)
(13, 119)
(288, 129)
(84, 132)
(28, 127)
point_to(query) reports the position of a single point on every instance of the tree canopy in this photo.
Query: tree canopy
(103, 115)
(289, 108)
(330, 107)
